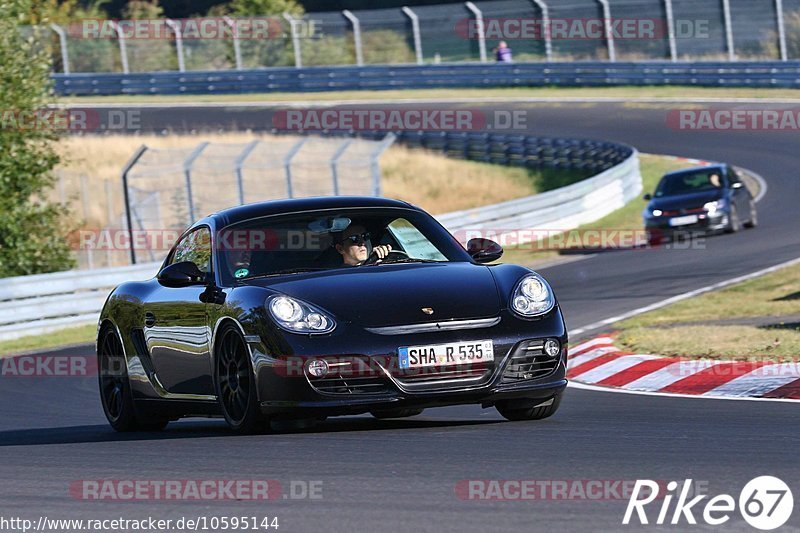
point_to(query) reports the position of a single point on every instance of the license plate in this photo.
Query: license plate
(683, 221)
(454, 353)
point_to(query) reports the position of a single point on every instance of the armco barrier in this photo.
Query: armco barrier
(38, 304)
(381, 77)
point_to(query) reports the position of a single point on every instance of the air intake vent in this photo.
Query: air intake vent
(529, 362)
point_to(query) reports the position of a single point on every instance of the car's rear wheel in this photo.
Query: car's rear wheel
(115, 389)
(235, 383)
(396, 413)
(515, 410)
(734, 223)
(753, 222)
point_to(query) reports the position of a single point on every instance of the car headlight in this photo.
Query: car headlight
(532, 296)
(713, 207)
(299, 317)
(652, 213)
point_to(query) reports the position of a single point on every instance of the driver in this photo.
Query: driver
(354, 245)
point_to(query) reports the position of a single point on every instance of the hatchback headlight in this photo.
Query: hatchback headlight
(532, 296)
(713, 207)
(297, 316)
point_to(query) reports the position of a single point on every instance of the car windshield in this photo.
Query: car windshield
(324, 240)
(689, 182)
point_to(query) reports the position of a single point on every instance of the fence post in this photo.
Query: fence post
(673, 42)
(373, 163)
(62, 39)
(335, 164)
(287, 165)
(548, 38)
(187, 171)
(415, 32)
(612, 49)
(781, 30)
(356, 36)
(237, 48)
(298, 57)
(126, 196)
(481, 29)
(178, 43)
(726, 9)
(249, 147)
(123, 48)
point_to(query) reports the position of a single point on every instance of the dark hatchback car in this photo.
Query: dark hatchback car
(706, 199)
(303, 309)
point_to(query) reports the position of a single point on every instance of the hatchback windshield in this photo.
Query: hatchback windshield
(687, 183)
(326, 240)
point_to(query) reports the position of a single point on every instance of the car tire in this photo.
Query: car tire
(516, 410)
(235, 384)
(753, 222)
(396, 413)
(115, 390)
(734, 223)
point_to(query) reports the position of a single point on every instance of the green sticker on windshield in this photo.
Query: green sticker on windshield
(242, 272)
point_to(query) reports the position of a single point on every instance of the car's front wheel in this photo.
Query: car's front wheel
(734, 222)
(235, 383)
(115, 389)
(527, 410)
(753, 222)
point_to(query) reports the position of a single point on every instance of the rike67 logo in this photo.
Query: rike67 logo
(765, 503)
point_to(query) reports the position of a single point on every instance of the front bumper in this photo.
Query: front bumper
(706, 223)
(285, 390)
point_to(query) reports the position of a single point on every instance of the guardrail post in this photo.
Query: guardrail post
(126, 196)
(781, 30)
(62, 39)
(237, 48)
(415, 32)
(335, 164)
(249, 147)
(123, 48)
(178, 43)
(673, 42)
(356, 36)
(726, 11)
(548, 38)
(287, 165)
(298, 56)
(612, 49)
(481, 29)
(373, 163)
(109, 216)
(187, 172)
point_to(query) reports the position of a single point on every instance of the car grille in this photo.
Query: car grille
(677, 212)
(529, 362)
(437, 374)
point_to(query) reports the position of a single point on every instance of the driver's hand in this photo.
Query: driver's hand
(382, 251)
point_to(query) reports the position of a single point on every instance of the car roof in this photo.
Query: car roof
(240, 213)
(721, 167)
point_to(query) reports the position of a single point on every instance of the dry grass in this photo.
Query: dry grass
(714, 342)
(432, 181)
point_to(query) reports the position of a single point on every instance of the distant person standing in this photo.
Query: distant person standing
(502, 53)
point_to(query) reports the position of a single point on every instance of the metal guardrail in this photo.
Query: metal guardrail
(31, 305)
(383, 77)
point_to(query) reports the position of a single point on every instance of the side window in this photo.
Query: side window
(733, 177)
(195, 247)
(413, 242)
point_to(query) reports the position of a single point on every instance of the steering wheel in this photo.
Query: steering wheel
(373, 257)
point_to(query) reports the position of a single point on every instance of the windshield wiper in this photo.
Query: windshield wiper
(296, 270)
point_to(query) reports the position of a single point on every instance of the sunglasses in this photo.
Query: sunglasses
(357, 239)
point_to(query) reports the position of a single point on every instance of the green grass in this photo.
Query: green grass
(510, 92)
(683, 329)
(56, 339)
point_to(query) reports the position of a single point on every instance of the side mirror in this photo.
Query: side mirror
(181, 274)
(648, 197)
(484, 250)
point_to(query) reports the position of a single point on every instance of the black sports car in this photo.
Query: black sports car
(699, 200)
(303, 309)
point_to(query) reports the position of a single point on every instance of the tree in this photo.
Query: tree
(32, 229)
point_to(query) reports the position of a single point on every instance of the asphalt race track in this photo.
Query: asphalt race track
(402, 475)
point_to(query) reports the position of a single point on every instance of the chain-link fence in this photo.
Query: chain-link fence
(535, 30)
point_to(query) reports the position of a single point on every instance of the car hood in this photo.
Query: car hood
(685, 201)
(389, 295)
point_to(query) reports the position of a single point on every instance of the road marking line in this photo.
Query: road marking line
(575, 362)
(598, 388)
